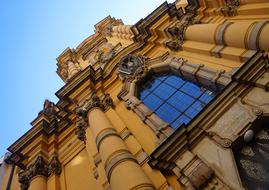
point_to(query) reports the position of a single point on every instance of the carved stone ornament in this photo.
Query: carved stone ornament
(177, 32)
(91, 102)
(230, 9)
(81, 128)
(107, 101)
(105, 57)
(49, 108)
(55, 167)
(200, 175)
(224, 142)
(132, 66)
(23, 180)
(174, 45)
(38, 168)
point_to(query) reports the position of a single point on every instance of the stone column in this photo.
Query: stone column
(38, 182)
(122, 169)
(248, 35)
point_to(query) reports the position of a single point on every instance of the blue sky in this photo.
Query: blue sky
(32, 34)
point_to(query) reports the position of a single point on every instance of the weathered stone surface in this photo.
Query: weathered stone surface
(233, 121)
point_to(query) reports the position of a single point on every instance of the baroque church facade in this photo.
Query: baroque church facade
(177, 101)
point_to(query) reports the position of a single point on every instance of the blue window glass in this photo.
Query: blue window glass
(174, 99)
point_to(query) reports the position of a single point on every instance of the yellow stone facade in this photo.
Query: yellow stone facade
(100, 136)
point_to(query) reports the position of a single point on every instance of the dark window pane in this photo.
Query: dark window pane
(192, 89)
(181, 101)
(175, 81)
(206, 97)
(182, 119)
(152, 84)
(164, 91)
(143, 94)
(153, 102)
(194, 109)
(173, 99)
(167, 113)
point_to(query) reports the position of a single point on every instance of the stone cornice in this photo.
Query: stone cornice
(141, 28)
(51, 120)
(86, 74)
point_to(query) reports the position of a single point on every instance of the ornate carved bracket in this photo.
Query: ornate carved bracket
(230, 9)
(132, 67)
(177, 32)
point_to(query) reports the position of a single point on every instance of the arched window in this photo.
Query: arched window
(174, 99)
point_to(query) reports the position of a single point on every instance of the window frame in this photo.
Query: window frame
(213, 79)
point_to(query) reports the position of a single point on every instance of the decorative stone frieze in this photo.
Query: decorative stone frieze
(132, 67)
(97, 159)
(230, 8)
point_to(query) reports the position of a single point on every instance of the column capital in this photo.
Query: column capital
(92, 102)
(82, 111)
(55, 167)
(39, 167)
